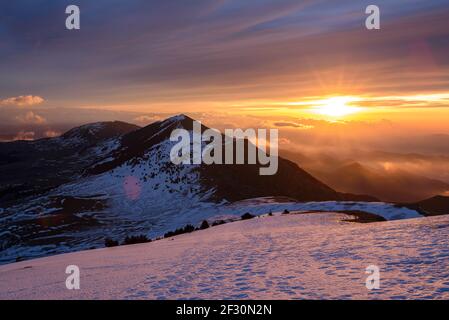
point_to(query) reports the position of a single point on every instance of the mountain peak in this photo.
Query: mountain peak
(180, 120)
(177, 118)
(100, 130)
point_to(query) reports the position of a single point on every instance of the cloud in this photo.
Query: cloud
(31, 118)
(293, 125)
(52, 133)
(22, 101)
(147, 119)
(284, 141)
(25, 135)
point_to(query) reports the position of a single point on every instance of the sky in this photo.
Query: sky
(295, 65)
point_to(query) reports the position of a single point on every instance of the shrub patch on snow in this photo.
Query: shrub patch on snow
(247, 216)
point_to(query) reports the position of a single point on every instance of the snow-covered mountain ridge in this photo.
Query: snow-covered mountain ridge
(114, 179)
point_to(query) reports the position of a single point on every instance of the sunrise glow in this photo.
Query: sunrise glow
(336, 107)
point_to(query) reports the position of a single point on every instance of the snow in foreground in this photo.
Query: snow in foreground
(302, 256)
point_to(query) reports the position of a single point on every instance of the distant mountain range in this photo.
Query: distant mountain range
(395, 185)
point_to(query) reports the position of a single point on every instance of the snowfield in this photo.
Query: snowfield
(260, 206)
(296, 256)
(142, 207)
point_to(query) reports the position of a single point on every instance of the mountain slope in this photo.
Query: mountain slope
(231, 182)
(434, 206)
(28, 168)
(114, 179)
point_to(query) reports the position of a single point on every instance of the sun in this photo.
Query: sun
(336, 107)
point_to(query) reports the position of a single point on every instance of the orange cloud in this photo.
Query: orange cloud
(144, 119)
(21, 101)
(31, 118)
(51, 134)
(293, 125)
(25, 135)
